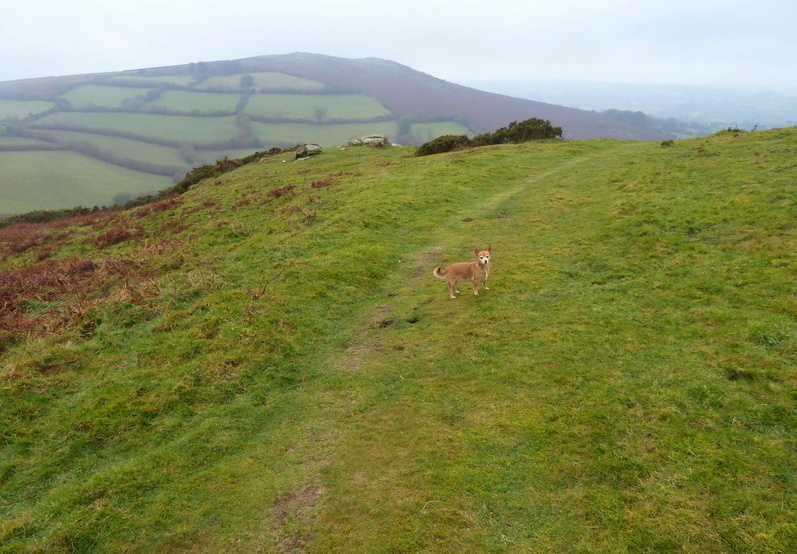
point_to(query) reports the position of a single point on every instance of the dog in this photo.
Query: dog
(477, 272)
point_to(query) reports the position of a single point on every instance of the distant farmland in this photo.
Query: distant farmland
(159, 123)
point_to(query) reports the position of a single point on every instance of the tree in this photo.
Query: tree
(320, 113)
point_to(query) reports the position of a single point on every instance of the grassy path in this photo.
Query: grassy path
(567, 408)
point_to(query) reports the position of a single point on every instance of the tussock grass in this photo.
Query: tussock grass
(281, 371)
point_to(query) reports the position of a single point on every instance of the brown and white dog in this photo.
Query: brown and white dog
(477, 272)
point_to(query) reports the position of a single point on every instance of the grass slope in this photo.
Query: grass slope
(267, 363)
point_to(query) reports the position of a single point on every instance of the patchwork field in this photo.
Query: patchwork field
(186, 101)
(252, 105)
(316, 108)
(324, 135)
(268, 80)
(118, 147)
(166, 127)
(99, 96)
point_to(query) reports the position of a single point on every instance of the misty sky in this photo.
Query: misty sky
(670, 42)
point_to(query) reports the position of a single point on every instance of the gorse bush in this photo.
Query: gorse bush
(530, 129)
(445, 143)
(515, 132)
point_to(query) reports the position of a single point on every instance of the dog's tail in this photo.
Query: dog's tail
(440, 273)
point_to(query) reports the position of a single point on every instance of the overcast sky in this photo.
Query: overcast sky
(462, 41)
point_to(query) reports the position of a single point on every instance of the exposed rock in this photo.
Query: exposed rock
(306, 150)
(380, 141)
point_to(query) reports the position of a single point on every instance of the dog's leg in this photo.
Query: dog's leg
(452, 288)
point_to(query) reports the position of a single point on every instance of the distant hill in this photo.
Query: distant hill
(104, 138)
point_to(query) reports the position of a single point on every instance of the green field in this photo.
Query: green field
(54, 180)
(264, 80)
(268, 365)
(186, 101)
(22, 143)
(315, 107)
(13, 110)
(119, 147)
(94, 96)
(155, 81)
(324, 135)
(169, 127)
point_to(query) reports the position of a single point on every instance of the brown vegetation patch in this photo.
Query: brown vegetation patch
(159, 206)
(289, 510)
(36, 286)
(118, 233)
(280, 191)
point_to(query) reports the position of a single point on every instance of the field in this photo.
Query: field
(268, 80)
(94, 96)
(20, 143)
(119, 147)
(266, 363)
(187, 101)
(339, 134)
(316, 108)
(11, 110)
(168, 127)
(54, 180)
(155, 81)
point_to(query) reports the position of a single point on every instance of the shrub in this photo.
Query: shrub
(515, 132)
(524, 131)
(445, 143)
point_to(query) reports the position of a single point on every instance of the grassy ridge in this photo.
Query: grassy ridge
(269, 364)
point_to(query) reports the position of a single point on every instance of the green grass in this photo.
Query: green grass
(170, 127)
(55, 180)
(324, 135)
(121, 148)
(314, 106)
(20, 109)
(154, 80)
(283, 373)
(22, 143)
(187, 101)
(264, 80)
(96, 96)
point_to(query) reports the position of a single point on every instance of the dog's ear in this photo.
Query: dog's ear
(489, 249)
(477, 251)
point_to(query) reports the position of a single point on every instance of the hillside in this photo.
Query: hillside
(102, 139)
(266, 363)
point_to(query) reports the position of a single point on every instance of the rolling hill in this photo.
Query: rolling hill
(104, 138)
(266, 363)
